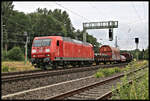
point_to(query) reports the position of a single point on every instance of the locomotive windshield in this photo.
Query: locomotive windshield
(42, 42)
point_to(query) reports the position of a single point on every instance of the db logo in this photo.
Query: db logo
(40, 50)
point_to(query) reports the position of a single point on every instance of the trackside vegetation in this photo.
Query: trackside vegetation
(13, 61)
(104, 72)
(14, 66)
(14, 54)
(138, 90)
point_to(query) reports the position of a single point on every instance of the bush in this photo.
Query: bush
(99, 74)
(5, 69)
(107, 72)
(15, 54)
(117, 69)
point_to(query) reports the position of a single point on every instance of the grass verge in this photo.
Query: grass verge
(104, 72)
(138, 90)
(13, 66)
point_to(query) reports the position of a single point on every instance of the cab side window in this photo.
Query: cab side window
(57, 42)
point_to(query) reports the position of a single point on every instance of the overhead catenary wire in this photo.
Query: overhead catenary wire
(84, 35)
(139, 17)
(55, 18)
(99, 12)
(142, 20)
(143, 9)
(96, 9)
(136, 11)
(144, 14)
(71, 11)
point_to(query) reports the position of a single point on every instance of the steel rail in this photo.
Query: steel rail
(32, 71)
(82, 89)
(42, 73)
(61, 96)
(109, 94)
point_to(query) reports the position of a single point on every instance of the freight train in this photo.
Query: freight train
(53, 51)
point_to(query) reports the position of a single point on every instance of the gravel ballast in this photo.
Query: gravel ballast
(57, 89)
(12, 87)
(52, 90)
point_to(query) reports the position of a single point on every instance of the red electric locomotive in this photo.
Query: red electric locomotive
(53, 51)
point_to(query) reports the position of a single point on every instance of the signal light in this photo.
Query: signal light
(110, 34)
(137, 40)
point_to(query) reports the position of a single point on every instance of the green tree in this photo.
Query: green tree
(94, 42)
(63, 17)
(7, 9)
(16, 29)
(15, 54)
(42, 22)
(146, 53)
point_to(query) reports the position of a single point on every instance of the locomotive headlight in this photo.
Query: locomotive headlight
(34, 55)
(47, 55)
(33, 51)
(47, 50)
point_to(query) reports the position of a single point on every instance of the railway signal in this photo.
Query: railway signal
(110, 34)
(116, 45)
(143, 53)
(137, 42)
(26, 46)
(100, 25)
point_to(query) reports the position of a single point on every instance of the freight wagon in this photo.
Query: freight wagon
(128, 56)
(107, 54)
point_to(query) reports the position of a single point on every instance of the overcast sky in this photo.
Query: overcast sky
(132, 19)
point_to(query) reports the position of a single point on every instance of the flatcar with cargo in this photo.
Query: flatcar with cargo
(107, 54)
(128, 56)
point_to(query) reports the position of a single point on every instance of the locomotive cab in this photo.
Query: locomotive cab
(41, 48)
(43, 51)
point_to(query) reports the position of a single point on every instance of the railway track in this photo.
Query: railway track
(49, 92)
(30, 81)
(93, 91)
(108, 94)
(8, 77)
